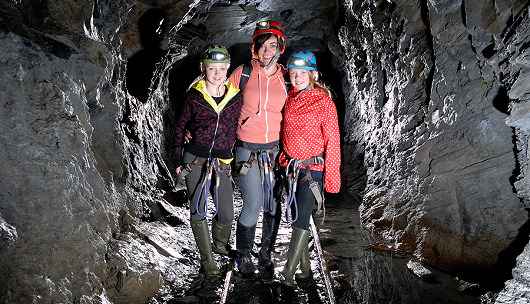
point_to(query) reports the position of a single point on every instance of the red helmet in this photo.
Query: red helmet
(270, 27)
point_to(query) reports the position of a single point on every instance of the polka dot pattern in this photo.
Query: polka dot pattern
(310, 127)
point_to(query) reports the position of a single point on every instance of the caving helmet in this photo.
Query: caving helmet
(304, 60)
(270, 27)
(215, 53)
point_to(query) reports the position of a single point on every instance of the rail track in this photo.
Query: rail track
(235, 289)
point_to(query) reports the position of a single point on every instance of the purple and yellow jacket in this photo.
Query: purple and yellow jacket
(212, 125)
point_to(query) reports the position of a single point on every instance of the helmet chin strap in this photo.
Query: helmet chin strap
(273, 60)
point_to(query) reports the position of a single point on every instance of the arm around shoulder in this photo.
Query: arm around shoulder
(235, 77)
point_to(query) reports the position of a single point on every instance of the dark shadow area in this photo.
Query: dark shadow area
(239, 54)
(501, 102)
(517, 170)
(502, 271)
(181, 76)
(141, 66)
(333, 78)
(489, 51)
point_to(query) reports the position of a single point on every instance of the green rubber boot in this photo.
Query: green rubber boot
(305, 265)
(298, 242)
(220, 236)
(202, 238)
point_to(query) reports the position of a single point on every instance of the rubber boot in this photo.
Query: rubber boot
(220, 236)
(298, 242)
(305, 265)
(268, 238)
(244, 244)
(202, 238)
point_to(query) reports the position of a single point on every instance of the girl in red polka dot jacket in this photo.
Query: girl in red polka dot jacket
(311, 140)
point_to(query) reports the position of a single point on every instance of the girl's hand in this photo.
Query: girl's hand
(178, 169)
(187, 137)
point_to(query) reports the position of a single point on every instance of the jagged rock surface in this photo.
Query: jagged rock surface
(80, 157)
(427, 90)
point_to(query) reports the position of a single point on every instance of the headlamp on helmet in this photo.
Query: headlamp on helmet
(215, 53)
(263, 25)
(304, 60)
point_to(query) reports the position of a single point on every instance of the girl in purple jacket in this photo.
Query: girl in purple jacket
(210, 112)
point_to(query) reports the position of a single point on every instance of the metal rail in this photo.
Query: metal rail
(322, 262)
(324, 273)
(227, 282)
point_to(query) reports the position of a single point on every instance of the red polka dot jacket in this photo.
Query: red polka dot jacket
(310, 127)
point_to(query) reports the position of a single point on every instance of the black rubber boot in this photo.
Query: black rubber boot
(268, 238)
(244, 244)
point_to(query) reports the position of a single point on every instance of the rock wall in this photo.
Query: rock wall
(437, 92)
(81, 158)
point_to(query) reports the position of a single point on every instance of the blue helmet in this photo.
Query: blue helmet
(304, 60)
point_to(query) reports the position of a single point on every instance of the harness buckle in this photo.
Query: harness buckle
(319, 160)
(244, 169)
(186, 169)
(317, 193)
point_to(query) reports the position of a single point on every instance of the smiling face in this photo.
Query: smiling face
(215, 72)
(300, 78)
(267, 50)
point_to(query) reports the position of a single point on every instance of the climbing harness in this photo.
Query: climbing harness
(212, 168)
(265, 161)
(292, 172)
(187, 168)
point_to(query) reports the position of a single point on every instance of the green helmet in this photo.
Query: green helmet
(215, 53)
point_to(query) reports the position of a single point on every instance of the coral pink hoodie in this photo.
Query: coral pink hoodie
(263, 100)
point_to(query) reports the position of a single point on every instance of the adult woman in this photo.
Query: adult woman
(210, 112)
(311, 143)
(258, 136)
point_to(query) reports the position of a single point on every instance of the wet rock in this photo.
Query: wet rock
(325, 236)
(468, 287)
(381, 247)
(419, 270)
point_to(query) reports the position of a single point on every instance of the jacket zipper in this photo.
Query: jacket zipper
(266, 113)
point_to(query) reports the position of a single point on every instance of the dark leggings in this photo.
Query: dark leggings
(305, 202)
(225, 209)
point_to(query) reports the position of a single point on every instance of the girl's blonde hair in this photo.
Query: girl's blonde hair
(315, 83)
